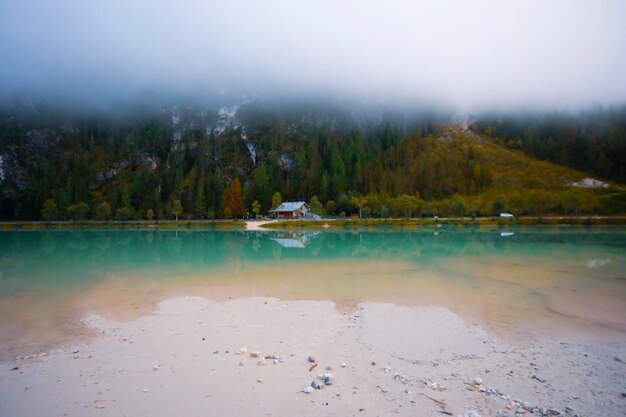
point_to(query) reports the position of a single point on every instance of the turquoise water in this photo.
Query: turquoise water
(73, 259)
(577, 275)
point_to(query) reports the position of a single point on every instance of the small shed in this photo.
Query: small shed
(290, 210)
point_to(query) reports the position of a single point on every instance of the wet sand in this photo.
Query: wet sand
(414, 337)
(182, 360)
(508, 300)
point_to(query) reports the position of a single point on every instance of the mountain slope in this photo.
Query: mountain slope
(144, 161)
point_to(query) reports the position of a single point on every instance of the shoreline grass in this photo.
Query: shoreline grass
(467, 221)
(319, 224)
(125, 224)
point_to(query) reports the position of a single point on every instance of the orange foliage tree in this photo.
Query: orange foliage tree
(233, 199)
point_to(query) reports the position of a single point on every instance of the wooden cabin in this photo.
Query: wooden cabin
(291, 210)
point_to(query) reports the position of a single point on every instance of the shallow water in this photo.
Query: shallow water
(536, 282)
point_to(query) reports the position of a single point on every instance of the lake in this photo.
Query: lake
(518, 283)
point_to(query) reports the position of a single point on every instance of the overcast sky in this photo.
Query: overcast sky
(471, 54)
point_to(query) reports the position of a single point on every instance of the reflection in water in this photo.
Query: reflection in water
(296, 240)
(548, 278)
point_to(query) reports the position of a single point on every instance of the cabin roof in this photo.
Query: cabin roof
(289, 206)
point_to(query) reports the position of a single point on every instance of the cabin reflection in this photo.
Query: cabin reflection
(296, 240)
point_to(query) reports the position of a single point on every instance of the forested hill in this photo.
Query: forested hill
(216, 161)
(592, 141)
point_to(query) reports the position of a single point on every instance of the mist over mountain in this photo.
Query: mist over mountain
(468, 56)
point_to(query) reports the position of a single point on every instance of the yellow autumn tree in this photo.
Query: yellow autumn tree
(233, 200)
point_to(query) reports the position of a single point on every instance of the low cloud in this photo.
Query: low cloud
(468, 54)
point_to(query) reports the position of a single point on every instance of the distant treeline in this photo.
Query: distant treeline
(592, 141)
(196, 163)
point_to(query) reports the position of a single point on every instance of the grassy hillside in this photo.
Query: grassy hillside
(460, 172)
(592, 140)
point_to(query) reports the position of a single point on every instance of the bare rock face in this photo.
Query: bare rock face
(590, 183)
(1, 168)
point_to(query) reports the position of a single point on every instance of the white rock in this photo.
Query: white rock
(309, 389)
(276, 361)
(145, 390)
(261, 362)
(343, 365)
(477, 381)
(156, 367)
(259, 380)
(242, 351)
(255, 354)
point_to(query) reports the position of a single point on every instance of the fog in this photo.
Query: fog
(473, 55)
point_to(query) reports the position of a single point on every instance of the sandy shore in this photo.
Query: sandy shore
(182, 360)
(255, 225)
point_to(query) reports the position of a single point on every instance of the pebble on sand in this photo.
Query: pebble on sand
(311, 359)
(309, 389)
